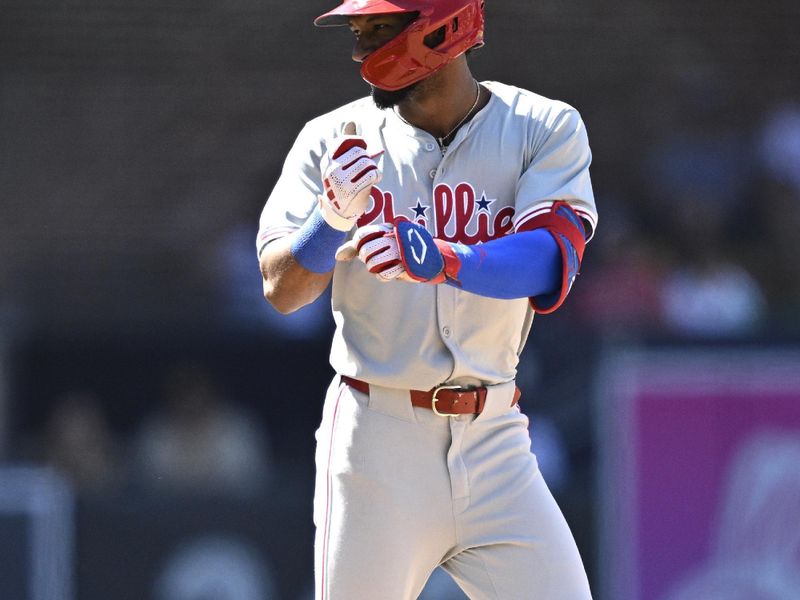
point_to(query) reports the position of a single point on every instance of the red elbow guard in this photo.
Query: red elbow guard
(566, 227)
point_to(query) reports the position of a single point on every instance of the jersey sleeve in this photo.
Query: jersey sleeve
(295, 194)
(558, 170)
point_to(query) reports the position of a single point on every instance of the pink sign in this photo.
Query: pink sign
(701, 476)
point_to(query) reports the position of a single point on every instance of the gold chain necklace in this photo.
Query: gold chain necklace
(441, 140)
(459, 124)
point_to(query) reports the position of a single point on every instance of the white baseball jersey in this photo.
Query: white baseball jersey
(505, 166)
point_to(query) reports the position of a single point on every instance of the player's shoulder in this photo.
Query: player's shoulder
(362, 112)
(525, 104)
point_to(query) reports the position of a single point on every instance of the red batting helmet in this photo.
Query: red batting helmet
(412, 55)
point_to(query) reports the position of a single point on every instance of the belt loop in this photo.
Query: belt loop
(391, 402)
(498, 400)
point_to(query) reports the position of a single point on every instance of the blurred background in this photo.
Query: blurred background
(157, 417)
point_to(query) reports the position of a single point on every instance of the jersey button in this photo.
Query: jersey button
(446, 331)
(430, 146)
(432, 173)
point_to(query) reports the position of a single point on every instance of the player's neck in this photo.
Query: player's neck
(440, 102)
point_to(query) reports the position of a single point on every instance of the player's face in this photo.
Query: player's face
(372, 32)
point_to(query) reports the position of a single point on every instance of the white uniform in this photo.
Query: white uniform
(400, 489)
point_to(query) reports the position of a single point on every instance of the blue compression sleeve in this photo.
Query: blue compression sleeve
(521, 265)
(315, 243)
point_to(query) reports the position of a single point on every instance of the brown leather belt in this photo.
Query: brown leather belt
(443, 400)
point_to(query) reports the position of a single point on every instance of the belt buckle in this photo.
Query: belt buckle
(436, 390)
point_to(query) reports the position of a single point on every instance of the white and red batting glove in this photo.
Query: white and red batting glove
(347, 180)
(376, 247)
(404, 251)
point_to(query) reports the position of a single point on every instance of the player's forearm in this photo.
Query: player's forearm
(288, 285)
(540, 262)
(298, 268)
(518, 266)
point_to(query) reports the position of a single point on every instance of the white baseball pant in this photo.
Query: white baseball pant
(401, 490)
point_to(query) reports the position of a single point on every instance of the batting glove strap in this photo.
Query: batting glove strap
(419, 253)
(334, 219)
(452, 263)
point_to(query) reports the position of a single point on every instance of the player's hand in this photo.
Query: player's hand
(403, 251)
(376, 246)
(347, 180)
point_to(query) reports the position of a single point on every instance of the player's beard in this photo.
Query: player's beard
(385, 99)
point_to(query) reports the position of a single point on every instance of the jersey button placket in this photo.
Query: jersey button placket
(445, 314)
(430, 146)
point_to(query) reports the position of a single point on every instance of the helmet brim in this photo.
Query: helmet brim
(351, 8)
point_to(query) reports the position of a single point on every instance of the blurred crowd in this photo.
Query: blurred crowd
(197, 441)
(700, 239)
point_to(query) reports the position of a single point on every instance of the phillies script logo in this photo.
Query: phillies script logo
(458, 214)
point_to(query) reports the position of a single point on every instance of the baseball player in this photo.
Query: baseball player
(446, 212)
